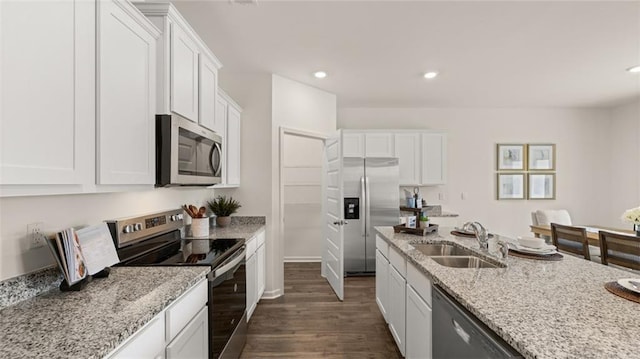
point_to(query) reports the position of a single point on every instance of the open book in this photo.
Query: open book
(83, 252)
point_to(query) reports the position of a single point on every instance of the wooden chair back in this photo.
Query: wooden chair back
(620, 249)
(561, 234)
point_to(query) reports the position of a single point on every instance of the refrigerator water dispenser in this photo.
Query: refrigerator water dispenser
(351, 208)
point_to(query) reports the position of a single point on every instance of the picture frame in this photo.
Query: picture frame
(541, 186)
(511, 186)
(510, 157)
(541, 157)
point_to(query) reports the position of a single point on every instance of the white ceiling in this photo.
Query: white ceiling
(489, 54)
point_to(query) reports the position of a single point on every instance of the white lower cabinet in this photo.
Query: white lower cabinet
(382, 284)
(397, 303)
(192, 341)
(256, 271)
(418, 338)
(179, 331)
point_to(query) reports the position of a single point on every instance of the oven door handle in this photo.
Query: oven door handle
(237, 258)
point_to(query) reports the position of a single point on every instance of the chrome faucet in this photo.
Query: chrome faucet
(482, 235)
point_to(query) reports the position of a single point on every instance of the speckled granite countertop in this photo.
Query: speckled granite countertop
(543, 309)
(241, 227)
(94, 321)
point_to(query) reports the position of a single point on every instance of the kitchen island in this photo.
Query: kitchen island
(543, 309)
(92, 322)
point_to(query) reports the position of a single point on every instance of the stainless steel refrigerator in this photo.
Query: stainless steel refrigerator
(371, 193)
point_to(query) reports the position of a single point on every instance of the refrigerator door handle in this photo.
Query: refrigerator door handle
(363, 219)
(367, 204)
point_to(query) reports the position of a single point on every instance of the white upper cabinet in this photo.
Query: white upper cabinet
(208, 96)
(187, 71)
(378, 144)
(407, 149)
(228, 115)
(434, 154)
(47, 92)
(184, 74)
(352, 144)
(126, 100)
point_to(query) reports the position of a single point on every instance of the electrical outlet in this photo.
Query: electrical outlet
(35, 236)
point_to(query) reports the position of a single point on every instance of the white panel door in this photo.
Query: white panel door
(382, 284)
(353, 145)
(126, 98)
(184, 74)
(434, 154)
(47, 92)
(418, 335)
(378, 145)
(333, 253)
(233, 147)
(397, 287)
(407, 149)
(193, 340)
(208, 95)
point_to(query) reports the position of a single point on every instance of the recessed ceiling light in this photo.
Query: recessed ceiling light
(430, 74)
(634, 69)
(320, 74)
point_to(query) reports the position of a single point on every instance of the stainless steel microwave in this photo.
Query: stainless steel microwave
(187, 154)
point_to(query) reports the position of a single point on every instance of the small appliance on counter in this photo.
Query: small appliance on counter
(158, 239)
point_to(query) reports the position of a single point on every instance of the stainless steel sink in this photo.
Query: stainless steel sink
(464, 262)
(442, 250)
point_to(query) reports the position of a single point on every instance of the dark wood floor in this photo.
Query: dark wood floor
(310, 322)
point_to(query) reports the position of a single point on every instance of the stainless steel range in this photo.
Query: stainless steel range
(159, 239)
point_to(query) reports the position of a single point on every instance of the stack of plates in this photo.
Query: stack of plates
(545, 250)
(632, 284)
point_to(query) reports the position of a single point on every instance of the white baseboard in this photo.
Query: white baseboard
(302, 259)
(272, 294)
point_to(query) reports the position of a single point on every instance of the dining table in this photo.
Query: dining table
(593, 236)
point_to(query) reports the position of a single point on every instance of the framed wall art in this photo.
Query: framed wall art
(511, 186)
(541, 157)
(511, 157)
(542, 186)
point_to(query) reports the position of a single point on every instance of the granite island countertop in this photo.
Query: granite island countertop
(92, 322)
(543, 309)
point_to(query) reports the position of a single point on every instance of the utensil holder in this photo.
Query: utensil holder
(200, 227)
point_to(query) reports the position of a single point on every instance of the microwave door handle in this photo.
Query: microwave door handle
(217, 168)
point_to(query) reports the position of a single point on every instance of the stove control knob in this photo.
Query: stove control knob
(176, 217)
(128, 228)
(137, 227)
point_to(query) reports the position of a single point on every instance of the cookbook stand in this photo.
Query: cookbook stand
(65, 287)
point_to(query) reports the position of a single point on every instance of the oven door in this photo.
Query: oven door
(227, 306)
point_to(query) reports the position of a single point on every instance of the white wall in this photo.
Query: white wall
(581, 138)
(301, 107)
(624, 163)
(59, 212)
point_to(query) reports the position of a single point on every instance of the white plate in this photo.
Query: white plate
(545, 250)
(625, 283)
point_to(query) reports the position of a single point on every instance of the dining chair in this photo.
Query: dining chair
(548, 216)
(570, 239)
(620, 249)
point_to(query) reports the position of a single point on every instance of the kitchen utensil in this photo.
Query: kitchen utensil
(201, 212)
(194, 210)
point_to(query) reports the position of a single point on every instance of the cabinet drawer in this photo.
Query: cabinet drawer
(185, 308)
(147, 342)
(397, 260)
(382, 246)
(251, 246)
(420, 282)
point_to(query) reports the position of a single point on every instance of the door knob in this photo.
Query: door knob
(340, 223)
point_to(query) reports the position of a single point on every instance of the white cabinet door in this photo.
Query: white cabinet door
(146, 343)
(251, 285)
(222, 112)
(126, 96)
(353, 145)
(184, 74)
(382, 284)
(397, 287)
(233, 147)
(418, 340)
(262, 270)
(434, 153)
(47, 92)
(193, 341)
(378, 145)
(208, 95)
(407, 149)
